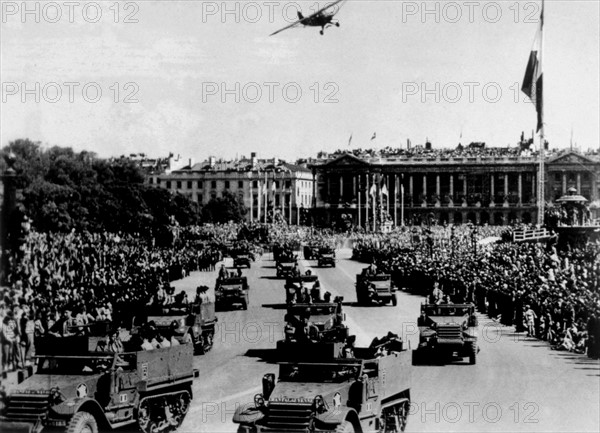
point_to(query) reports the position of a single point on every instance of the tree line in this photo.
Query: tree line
(61, 190)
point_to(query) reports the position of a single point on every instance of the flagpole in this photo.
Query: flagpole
(359, 207)
(402, 201)
(395, 200)
(251, 204)
(266, 193)
(541, 189)
(258, 202)
(374, 206)
(367, 192)
(387, 195)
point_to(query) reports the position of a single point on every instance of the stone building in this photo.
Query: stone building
(483, 186)
(267, 187)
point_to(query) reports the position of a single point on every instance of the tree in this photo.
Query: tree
(64, 190)
(224, 209)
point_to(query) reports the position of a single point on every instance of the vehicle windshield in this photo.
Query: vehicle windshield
(74, 365)
(315, 309)
(446, 310)
(318, 373)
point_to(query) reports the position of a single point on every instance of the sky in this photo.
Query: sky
(205, 78)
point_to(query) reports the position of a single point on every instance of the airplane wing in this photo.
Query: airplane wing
(329, 6)
(288, 27)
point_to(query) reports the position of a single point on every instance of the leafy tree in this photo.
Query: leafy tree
(224, 209)
(64, 190)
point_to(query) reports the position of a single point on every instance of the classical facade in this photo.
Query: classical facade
(446, 188)
(269, 188)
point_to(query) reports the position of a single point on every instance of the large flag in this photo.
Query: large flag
(533, 80)
(384, 190)
(373, 190)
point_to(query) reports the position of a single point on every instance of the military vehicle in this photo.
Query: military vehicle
(328, 338)
(242, 259)
(232, 290)
(310, 251)
(446, 330)
(379, 289)
(294, 286)
(285, 265)
(326, 257)
(356, 394)
(79, 389)
(191, 322)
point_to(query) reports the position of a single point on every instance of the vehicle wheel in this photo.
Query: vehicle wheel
(473, 354)
(416, 357)
(394, 300)
(198, 346)
(345, 427)
(208, 342)
(82, 422)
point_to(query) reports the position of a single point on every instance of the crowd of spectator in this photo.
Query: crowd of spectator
(59, 280)
(472, 150)
(552, 295)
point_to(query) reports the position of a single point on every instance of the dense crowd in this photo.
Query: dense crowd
(551, 295)
(59, 280)
(473, 150)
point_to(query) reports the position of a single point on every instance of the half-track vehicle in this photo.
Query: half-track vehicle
(310, 251)
(286, 265)
(232, 290)
(326, 257)
(296, 286)
(375, 289)
(362, 393)
(242, 259)
(446, 330)
(189, 322)
(78, 389)
(314, 328)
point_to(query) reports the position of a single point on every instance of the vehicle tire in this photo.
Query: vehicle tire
(394, 300)
(416, 357)
(344, 427)
(473, 354)
(82, 422)
(208, 341)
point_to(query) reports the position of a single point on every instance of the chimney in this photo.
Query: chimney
(253, 159)
(275, 161)
(428, 145)
(191, 162)
(211, 161)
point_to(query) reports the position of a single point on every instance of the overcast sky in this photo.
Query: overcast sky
(170, 78)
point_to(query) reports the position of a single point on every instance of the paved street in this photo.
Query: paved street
(518, 384)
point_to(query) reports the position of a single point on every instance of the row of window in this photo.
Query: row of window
(213, 184)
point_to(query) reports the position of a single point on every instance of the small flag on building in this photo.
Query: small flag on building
(533, 80)
(373, 190)
(350, 140)
(374, 136)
